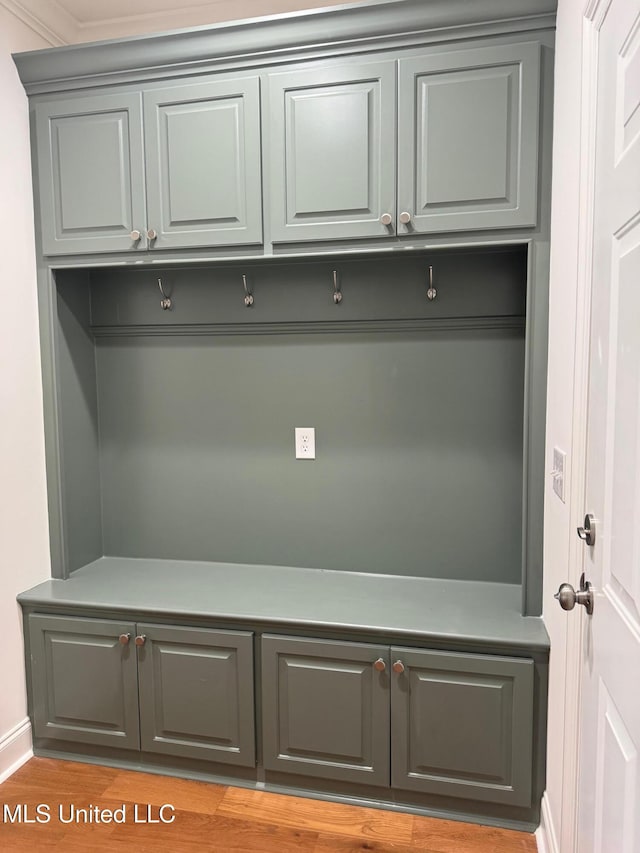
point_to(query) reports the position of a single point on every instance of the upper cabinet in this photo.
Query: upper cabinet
(332, 152)
(194, 181)
(466, 130)
(468, 139)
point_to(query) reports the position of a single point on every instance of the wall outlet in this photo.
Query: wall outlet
(305, 443)
(559, 459)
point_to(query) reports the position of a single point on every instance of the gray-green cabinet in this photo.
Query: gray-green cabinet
(325, 709)
(332, 151)
(458, 725)
(169, 167)
(468, 153)
(462, 126)
(163, 689)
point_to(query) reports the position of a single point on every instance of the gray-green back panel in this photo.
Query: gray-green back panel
(462, 725)
(203, 168)
(468, 124)
(90, 173)
(332, 151)
(196, 693)
(84, 681)
(325, 709)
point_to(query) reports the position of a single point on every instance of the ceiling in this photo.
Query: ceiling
(72, 21)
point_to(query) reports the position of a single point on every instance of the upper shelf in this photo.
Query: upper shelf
(269, 39)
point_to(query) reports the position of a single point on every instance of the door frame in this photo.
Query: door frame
(593, 17)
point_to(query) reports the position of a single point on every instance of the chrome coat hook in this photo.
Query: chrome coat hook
(432, 292)
(337, 295)
(248, 297)
(165, 302)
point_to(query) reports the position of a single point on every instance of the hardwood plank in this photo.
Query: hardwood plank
(448, 836)
(342, 844)
(332, 818)
(183, 794)
(49, 774)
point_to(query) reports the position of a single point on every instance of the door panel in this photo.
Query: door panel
(196, 693)
(91, 173)
(462, 725)
(84, 681)
(608, 813)
(325, 709)
(468, 124)
(204, 184)
(332, 156)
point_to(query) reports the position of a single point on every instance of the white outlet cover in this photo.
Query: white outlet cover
(305, 442)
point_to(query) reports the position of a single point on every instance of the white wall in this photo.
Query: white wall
(560, 518)
(24, 547)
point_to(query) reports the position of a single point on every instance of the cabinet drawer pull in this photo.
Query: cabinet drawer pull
(386, 219)
(135, 236)
(405, 217)
(123, 639)
(380, 665)
(152, 234)
(398, 666)
(140, 640)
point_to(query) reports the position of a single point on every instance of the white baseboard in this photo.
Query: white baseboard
(15, 749)
(546, 836)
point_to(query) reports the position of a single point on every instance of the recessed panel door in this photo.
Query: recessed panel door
(196, 693)
(91, 174)
(468, 129)
(332, 152)
(326, 709)
(84, 681)
(204, 185)
(462, 725)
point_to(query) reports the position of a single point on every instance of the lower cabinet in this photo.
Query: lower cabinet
(163, 689)
(442, 723)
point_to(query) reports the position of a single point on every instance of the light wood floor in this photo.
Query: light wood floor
(217, 818)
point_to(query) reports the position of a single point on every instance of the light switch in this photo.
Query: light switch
(559, 459)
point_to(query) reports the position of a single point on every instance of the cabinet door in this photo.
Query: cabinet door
(204, 185)
(468, 130)
(325, 709)
(462, 726)
(84, 682)
(90, 173)
(332, 151)
(196, 693)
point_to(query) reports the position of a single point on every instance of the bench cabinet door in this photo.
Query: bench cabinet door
(90, 165)
(196, 693)
(462, 725)
(325, 709)
(468, 139)
(84, 681)
(332, 136)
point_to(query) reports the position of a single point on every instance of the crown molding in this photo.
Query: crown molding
(45, 18)
(330, 30)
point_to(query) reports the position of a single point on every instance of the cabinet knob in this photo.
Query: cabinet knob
(386, 219)
(123, 639)
(398, 666)
(380, 665)
(135, 236)
(405, 217)
(152, 234)
(140, 640)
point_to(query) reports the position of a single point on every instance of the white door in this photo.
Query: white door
(609, 761)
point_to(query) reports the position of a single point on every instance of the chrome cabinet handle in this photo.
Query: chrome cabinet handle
(398, 666)
(380, 665)
(386, 219)
(405, 217)
(151, 234)
(123, 639)
(134, 236)
(140, 640)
